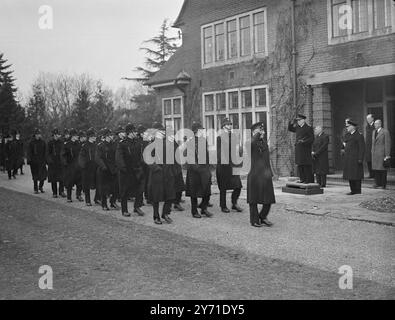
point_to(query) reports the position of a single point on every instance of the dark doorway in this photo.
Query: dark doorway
(391, 128)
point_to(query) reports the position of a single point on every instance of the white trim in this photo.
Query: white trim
(239, 58)
(381, 70)
(165, 84)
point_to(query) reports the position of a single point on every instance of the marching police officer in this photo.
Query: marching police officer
(259, 181)
(36, 158)
(11, 156)
(55, 170)
(225, 178)
(304, 141)
(354, 152)
(88, 166)
(20, 154)
(198, 181)
(72, 171)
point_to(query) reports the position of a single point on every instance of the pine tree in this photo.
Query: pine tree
(36, 112)
(102, 110)
(11, 113)
(163, 48)
(81, 109)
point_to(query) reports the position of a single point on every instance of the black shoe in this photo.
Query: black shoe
(97, 202)
(88, 204)
(178, 207)
(113, 206)
(225, 210)
(257, 225)
(80, 199)
(350, 193)
(22, 173)
(35, 191)
(167, 218)
(63, 195)
(139, 212)
(14, 176)
(54, 196)
(196, 215)
(69, 200)
(206, 213)
(42, 191)
(237, 208)
(210, 205)
(157, 221)
(105, 208)
(266, 223)
(126, 214)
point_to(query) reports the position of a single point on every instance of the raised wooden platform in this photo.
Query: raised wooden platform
(303, 188)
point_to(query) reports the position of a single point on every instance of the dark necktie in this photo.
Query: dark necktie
(375, 134)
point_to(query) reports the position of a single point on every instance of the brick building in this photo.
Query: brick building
(236, 61)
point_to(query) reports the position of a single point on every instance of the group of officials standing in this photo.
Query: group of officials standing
(311, 152)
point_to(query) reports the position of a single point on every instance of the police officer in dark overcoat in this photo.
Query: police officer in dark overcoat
(20, 152)
(354, 152)
(161, 177)
(72, 171)
(259, 180)
(37, 159)
(128, 162)
(55, 169)
(225, 178)
(198, 180)
(11, 156)
(107, 177)
(303, 144)
(320, 156)
(88, 165)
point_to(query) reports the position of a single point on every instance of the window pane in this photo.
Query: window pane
(208, 44)
(167, 107)
(177, 124)
(177, 106)
(245, 36)
(259, 32)
(221, 101)
(261, 117)
(247, 120)
(246, 99)
(220, 117)
(260, 97)
(382, 13)
(232, 39)
(234, 117)
(209, 102)
(233, 100)
(360, 15)
(336, 15)
(219, 42)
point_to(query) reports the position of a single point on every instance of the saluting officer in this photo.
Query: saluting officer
(225, 178)
(304, 141)
(198, 181)
(107, 170)
(72, 171)
(36, 158)
(88, 165)
(55, 170)
(354, 152)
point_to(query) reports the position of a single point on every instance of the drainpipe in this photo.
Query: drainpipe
(294, 53)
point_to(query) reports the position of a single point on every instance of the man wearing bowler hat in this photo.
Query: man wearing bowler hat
(303, 145)
(226, 152)
(354, 151)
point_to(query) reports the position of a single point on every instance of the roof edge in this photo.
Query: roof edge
(178, 21)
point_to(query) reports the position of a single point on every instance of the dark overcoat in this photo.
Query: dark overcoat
(71, 169)
(20, 152)
(11, 155)
(87, 163)
(368, 148)
(55, 168)
(320, 158)
(259, 180)
(161, 177)
(224, 171)
(198, 181)
(2, 156)
(303, 143)
(106, 168)
(36, 158)
(354, 152)
(381, 148)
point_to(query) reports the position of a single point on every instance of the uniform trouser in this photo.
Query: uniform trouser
(165, 210)
(12, 173)
(235, 196)
(380, 178)
(262, 215)
(203, 204)
(371, 171)
(306, 173)
(87, 192)
(178, 197)
(138, 200)
(55, 190)
(321, 179)
(70, 189)
(38, 184)
(355, 186)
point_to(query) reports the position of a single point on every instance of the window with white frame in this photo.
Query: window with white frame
(350, 20)
(243, 106)
(173, 113)
(234, 39)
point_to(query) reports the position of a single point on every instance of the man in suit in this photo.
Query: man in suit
(369, 132)
(354, 152)
(381, 151)
(320, 156)
(303, 144)
(224, 171)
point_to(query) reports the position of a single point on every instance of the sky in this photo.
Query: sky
(99, 37)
